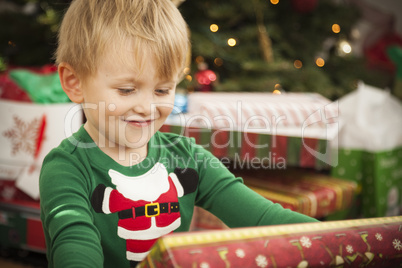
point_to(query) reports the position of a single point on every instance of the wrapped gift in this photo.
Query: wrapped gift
(303, 191)
(309, 193)
(370, 151)
(351, 243)
(21, 227)
(272, 150)
(289, 129)
(35, 117)
(29, 130)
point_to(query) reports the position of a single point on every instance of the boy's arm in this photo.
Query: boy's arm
(72, 239)
(233, 202)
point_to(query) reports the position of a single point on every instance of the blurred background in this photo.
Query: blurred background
(322, 46)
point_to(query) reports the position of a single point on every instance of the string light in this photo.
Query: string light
(218, 61)
(345, 47)
(297, 64)
(274, 2)
(231, 42)
(214, 28)
(277, 89)
(199, 59)
(320, 62)
(336, 28)
(189, 78)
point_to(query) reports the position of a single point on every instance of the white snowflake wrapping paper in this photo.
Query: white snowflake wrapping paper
(20, 132)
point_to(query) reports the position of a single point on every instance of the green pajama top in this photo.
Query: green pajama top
(97, 213)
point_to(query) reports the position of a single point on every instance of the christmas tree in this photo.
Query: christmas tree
(257, 45)
(28, 34)
(292, 45)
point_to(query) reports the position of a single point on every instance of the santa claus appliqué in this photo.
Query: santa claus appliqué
(147, 205)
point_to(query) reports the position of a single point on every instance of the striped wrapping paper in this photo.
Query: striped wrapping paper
(289, 129)
(290, 114)
(271, 150)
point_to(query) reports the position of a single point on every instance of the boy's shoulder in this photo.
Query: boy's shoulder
(79, 139)
(71, 144)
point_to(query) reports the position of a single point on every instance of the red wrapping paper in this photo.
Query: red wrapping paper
(373, 242)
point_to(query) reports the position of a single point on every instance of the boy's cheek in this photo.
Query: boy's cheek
(166, 109)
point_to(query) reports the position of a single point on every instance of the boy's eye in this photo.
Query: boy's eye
(125, 91)
(162, 91)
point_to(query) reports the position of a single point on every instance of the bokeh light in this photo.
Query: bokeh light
(214, 28)
(218, 61)
(320, 62)
(232, 42)
(297, 64)
(336, 28)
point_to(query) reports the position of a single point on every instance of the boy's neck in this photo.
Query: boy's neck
(126, 156)
(123, 155)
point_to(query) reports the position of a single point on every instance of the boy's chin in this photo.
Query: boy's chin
(138, 144)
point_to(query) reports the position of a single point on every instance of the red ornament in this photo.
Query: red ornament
(205, 78)
(304, 6)
(376, 53)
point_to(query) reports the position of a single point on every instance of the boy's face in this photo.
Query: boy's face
(124, 107)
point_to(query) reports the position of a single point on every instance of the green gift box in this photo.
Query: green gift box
(382, 184)
(349, 168)
(379, 178)
(369, 151)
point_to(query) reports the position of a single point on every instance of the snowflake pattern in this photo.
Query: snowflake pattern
(349, 249)
(261, 261)
(378, 236)
(397, 244)
(8, 192)
(204, 265)
(240, 253)
(305, 242)
(23, 135)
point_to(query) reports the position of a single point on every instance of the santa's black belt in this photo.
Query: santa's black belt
(149, 210)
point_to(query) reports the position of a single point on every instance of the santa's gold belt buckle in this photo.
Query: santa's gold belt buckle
(154, 210)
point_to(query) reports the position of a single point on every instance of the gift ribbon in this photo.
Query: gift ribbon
(40, 138)
(39, 141)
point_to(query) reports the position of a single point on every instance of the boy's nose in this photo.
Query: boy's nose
(143, 105)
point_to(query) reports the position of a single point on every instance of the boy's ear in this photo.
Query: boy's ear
(70, 82)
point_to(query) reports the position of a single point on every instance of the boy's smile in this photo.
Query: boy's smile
(140, 123)
(125, 106)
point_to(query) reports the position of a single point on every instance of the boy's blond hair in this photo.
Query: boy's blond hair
(90, 28)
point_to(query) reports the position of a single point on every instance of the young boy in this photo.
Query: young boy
(113, 188)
